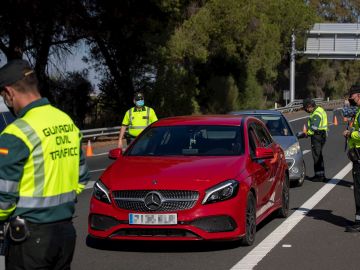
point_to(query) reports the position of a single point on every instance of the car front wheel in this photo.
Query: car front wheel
(285, 198)
(300, 181)
(250, 221)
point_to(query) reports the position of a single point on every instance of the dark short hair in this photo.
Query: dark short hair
(354, 89)
(308, 102)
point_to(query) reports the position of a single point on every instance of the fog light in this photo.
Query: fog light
(294, 169)
(102, 223)
(215, 224)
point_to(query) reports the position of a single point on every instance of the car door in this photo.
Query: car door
(260, 170)
(272, 165)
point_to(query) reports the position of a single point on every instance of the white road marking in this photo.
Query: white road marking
(286, 246)
(99, 170)
(90, 184)
(263, 248)
(100, 154)
(306, 151)
(293, 120)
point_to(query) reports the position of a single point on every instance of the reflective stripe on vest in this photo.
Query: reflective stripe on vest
(41, 202)
(8, 186)
(38, 156)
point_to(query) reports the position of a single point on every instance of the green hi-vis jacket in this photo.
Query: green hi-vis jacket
(317, 121)
(354, 139)
(138, 119)
(42, 167)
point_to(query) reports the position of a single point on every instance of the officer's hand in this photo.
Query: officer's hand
(301, 135)
(346, 133)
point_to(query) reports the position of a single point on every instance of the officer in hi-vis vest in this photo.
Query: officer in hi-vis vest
(317, 130)
(42, 169)
(136, 119)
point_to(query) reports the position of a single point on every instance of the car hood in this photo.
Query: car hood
(285, 141)
(171, 172)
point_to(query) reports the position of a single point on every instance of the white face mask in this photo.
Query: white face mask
(140, 103)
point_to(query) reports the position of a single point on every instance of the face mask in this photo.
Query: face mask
(10, 108)
(352, 102)
(139, 103)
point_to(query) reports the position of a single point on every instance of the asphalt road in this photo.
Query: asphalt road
(312, 237)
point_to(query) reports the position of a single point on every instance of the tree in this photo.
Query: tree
(72, 95)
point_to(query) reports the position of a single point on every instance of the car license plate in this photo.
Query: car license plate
(153, 219)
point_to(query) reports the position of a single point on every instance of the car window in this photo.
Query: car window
(253, 141)
(276, 124)
(189, 140)
(264, 138)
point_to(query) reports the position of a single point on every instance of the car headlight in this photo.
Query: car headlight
(221, 192)
(101, 192)
(292, 150)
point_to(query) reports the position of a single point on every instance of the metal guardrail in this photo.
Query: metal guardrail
(296, 105)
(97, 132)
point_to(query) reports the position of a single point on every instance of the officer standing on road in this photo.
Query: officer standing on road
(137, 119)
(353, 137)
(317, 130)
(42, 169)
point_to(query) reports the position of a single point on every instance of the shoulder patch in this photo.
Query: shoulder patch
(4, 151)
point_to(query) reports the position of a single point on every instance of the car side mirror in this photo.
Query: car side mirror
(115, 153)
(262, 153)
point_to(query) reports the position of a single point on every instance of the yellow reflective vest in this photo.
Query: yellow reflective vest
(317, 121)
(138, 119)
(52, 174)
(354, 139)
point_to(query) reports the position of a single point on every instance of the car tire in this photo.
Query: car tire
(301, 180)
(283, 212)
(250, 221)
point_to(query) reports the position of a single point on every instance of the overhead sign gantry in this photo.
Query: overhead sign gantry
(336, 41)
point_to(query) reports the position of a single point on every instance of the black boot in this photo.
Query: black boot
(355, 228)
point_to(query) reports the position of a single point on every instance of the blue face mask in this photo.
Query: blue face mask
(139, 103)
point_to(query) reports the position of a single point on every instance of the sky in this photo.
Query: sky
(72, 62)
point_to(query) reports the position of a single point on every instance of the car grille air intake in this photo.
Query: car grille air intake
(155, 200)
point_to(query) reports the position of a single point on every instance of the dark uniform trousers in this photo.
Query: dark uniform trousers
(317, 143)
(50, 246)
(356, 179)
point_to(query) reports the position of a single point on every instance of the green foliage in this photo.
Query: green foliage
(72, 95)
(242, 40)
(223, 95)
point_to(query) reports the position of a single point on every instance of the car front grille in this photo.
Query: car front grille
(169, 200)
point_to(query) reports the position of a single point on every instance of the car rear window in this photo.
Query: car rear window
(189, 140)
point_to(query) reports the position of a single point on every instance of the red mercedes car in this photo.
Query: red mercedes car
(192, 178)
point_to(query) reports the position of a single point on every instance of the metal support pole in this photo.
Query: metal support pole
(292, 68)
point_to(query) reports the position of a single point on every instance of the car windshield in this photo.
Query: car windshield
(276, 124)
(189, 140)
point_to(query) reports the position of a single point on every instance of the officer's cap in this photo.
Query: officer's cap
(14, 71)
(354, 89)
(138, 96)
(308, 102)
